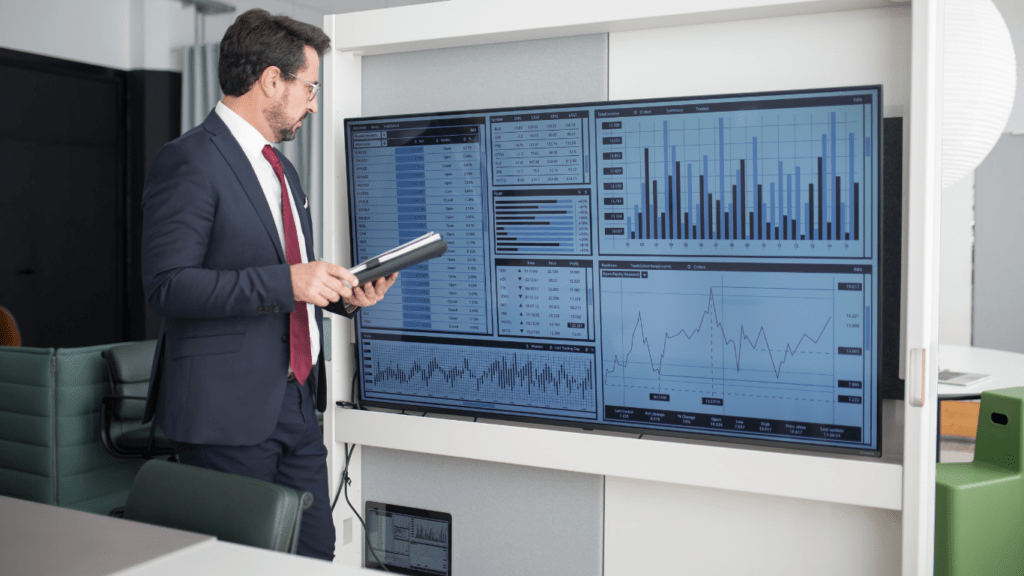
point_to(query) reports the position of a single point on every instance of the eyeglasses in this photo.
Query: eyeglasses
(315, 86)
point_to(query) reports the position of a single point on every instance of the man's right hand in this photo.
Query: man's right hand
(321, 283)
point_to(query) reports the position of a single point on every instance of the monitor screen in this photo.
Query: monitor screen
(682, 266)
(407, 540)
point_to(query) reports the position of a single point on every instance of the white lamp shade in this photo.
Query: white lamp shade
(978, 85)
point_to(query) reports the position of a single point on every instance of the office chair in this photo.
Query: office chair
(121, 429)
(9, 333)
(233, 508)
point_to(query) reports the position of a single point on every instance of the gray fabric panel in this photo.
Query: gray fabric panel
(998, 275)
(26, 423)
(526, 73)
(506, 520)
(85, 472)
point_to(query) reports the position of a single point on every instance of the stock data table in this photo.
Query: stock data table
(540, 148)
(545, 298)
(413, 178)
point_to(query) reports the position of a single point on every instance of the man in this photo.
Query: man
(227, 259)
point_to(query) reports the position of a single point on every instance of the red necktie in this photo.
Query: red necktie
(301, 355)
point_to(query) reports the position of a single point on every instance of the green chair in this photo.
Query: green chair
(979, 506)
(233, 508)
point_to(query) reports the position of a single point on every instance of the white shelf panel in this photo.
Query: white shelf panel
(472, 22)
(827, 479)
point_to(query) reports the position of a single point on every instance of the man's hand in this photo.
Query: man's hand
(321, 283)
(371, 293)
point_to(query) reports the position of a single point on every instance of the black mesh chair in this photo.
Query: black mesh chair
(230, 507)
(121, 429)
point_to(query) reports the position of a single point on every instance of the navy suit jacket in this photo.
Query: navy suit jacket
(214, 269)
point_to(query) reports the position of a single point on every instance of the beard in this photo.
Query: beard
(280, 123)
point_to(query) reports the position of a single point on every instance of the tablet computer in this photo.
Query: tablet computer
(408, 540)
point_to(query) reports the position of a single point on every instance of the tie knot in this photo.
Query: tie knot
(271, 156)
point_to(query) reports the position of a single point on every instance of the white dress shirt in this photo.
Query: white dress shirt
(252, 143)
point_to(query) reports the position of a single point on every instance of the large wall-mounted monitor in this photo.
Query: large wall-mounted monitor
(686, 266)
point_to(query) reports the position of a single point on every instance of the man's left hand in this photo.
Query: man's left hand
(369, 294)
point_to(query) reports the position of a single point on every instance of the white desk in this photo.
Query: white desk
(217, 558)
(42, 540)
(1006, 368)
(48, 540)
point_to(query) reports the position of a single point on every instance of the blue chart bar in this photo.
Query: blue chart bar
(542, 221)
(721, 182)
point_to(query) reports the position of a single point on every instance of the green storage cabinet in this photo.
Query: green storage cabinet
(979, 506)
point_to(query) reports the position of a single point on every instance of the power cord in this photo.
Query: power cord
(346, 480)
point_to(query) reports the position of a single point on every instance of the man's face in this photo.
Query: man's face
(287, 113)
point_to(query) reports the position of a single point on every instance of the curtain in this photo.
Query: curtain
(200, 93)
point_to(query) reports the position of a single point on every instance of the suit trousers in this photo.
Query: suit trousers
(293, 456)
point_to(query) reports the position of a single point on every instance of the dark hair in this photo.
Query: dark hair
(258, 40)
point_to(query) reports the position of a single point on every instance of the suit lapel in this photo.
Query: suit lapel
(240, 165)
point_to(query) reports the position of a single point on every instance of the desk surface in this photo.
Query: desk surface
(217, 558)
(46, 540)
(1006, 368)
(39, 539)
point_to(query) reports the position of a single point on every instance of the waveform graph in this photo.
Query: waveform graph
(526, 379)
(693, 344)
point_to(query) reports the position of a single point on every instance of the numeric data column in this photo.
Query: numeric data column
(412, 178)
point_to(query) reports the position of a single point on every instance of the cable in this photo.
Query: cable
(345, 481)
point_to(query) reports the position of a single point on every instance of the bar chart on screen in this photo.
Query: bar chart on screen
(732, 179)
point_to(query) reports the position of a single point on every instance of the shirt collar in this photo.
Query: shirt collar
(248, 137)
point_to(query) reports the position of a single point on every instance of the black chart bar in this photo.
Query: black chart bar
(810, 209)
(654, 209)
(751, 226)
(727, 224)
(711, 218)
(662, 225)
(856, 211)
(760, 215)
(839, 217)
(785, 227)
(686, 224)
(793, 224)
